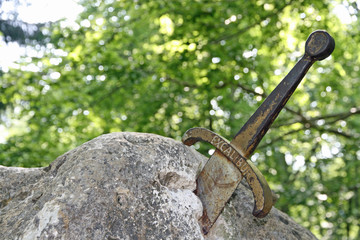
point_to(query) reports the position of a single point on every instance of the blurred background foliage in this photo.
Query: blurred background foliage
(166, 66)
(13, 29)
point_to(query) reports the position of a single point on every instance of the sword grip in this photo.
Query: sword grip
(318, 46)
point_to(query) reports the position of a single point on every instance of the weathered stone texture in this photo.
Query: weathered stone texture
(125, 186)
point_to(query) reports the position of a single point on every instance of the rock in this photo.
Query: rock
(125, 186)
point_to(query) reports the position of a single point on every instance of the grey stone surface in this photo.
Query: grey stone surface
(125, 186)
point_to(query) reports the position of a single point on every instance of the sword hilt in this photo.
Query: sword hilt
(318, 46)
(218, 179)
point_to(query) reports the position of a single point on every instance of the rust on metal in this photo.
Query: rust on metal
(260, 188)
(226, 167)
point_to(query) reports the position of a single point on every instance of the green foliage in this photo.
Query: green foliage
(165, 66)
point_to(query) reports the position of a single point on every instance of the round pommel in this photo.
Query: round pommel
(319, 45)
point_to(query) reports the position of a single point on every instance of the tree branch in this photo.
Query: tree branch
(279, 138)
(336, 132)
(244, 29)
(182, 83)
(264, 95)
(337, 116)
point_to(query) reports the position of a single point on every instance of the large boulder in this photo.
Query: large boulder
(126, 186)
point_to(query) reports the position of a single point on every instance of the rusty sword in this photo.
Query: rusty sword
(228, 165)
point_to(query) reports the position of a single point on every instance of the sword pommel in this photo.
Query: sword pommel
(319, 45)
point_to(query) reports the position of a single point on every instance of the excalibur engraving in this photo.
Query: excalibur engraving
(221, 144)
(226, 167)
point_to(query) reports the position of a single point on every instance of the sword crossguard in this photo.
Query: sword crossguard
(263, 199)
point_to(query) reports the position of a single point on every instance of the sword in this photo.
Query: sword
(229, 164)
